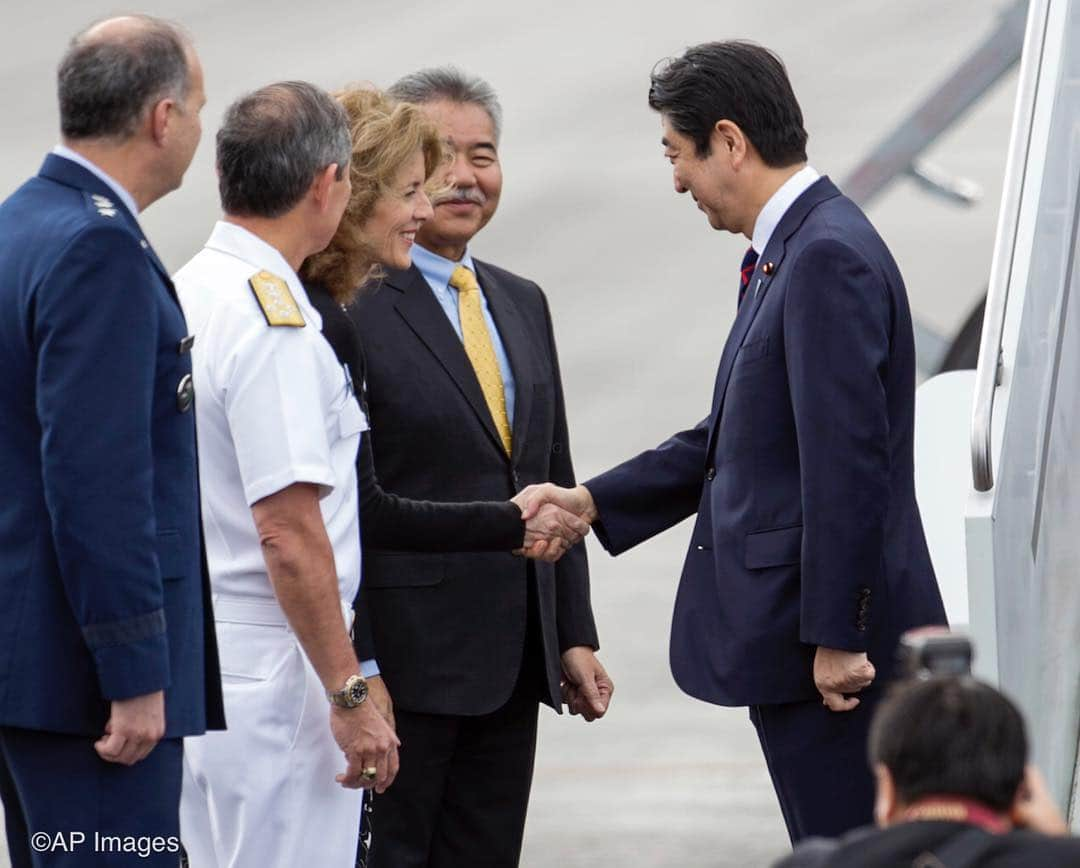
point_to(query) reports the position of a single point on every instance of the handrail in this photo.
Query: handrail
(988, 373)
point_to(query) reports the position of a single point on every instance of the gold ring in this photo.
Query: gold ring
(369, 773)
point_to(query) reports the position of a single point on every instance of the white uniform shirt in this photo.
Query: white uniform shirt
(273, 408)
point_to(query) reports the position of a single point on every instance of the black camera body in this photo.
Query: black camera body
(934, 651)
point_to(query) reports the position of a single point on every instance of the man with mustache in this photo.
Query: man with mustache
(466, 404)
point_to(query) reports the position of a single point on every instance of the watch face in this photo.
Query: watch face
(357, 692)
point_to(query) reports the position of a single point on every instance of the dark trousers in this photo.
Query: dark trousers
(461, 795)
(462, 792)
(78, 810)
(817, 761)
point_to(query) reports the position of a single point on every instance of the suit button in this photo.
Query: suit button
(710, 474)
(517, 481)
(185, 394)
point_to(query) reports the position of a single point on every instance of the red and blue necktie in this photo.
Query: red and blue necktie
(749, 263)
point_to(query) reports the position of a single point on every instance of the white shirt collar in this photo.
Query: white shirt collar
(107, 179)
(234, 240)
(778, 205)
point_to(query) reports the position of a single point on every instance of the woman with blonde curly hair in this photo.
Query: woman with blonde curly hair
(396, 161)
(396, 152)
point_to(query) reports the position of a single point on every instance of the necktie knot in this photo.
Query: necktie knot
(749, 263)
(464, 280)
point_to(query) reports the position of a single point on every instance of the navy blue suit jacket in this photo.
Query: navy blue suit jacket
(802, 476)
(103, 593)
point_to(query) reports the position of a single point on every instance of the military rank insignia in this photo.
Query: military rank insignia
(104, 205)
(277, 303)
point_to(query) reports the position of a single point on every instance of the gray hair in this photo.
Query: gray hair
(106, 83)
(273, 142)
(448, 83)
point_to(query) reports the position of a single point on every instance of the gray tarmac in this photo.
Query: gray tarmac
(642, 293)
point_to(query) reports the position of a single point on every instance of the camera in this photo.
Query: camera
(934, 651)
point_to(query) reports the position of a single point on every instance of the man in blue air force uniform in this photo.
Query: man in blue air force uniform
(107, 658)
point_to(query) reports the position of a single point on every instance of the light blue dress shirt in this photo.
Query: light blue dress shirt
(437, 270)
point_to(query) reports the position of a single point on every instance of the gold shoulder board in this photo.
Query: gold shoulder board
(277, 303)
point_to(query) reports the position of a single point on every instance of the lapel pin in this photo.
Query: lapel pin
(757, 286)
(768, 268)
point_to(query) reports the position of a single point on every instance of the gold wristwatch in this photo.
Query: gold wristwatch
(351, 695)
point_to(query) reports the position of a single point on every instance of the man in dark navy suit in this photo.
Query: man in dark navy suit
(807, 560)
(107, 656)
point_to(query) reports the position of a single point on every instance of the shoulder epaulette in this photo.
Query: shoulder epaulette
(277, 303)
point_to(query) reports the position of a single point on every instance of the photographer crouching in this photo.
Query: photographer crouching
(954, 789)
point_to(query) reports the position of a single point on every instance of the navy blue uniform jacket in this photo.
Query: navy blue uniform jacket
(802, 476)
(103, 593)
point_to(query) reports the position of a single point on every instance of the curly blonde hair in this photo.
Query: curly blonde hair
(385, 136)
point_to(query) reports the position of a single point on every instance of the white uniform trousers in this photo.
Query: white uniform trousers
(262, 794)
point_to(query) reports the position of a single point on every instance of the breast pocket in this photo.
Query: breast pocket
(351, 419)
(751, 352)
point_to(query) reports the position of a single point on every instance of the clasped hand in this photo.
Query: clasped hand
(838, 674)
(555, 519)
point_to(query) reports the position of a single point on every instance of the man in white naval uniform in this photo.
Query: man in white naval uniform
(278, 431)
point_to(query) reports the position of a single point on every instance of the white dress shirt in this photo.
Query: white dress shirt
(778, 205)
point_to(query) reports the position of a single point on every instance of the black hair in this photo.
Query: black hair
(950, 736)
(736, 81)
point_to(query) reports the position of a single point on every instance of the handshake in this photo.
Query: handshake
(555, 519)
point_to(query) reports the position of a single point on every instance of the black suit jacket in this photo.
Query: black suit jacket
(400, 522)
(449, 628)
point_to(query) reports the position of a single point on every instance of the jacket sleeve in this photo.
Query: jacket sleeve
(391, 522)
(573, 603)
(94, 328)
(652, 492)
(837, 325)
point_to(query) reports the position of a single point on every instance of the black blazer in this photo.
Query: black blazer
(413, 525)
(449, 628)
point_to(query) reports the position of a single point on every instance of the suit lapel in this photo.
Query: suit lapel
(760, 282)
(64, 171)
(421, 311)
(515, 341)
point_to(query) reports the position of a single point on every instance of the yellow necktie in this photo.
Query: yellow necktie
(480, 350)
